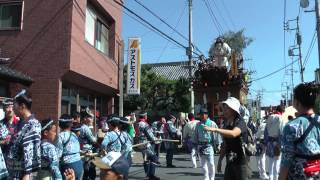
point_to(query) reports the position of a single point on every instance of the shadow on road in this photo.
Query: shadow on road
(186, 173)
(177, 167)
(134, 177)
(136, 165)
(182, 159)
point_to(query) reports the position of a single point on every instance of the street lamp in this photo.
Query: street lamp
(304, 3)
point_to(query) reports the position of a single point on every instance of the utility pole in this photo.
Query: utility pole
(317, 10)
(259, 100)
(121, 63)
(305, 4)
(292, 83)
(299, 41)
(286, 96)
(189, 53)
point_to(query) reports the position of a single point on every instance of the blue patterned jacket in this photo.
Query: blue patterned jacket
(310, 146)
(68, 147)
(50, 160)
(25, 156)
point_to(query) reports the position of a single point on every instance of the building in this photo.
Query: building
(10, 76)
(71, 50)
(171, 70)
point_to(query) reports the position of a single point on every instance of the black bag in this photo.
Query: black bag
(249, 146)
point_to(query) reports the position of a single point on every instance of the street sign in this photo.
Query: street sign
(134, 66)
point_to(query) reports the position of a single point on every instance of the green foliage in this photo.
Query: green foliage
(159, 95)
(236, 40)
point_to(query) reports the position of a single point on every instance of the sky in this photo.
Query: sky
(262, 21)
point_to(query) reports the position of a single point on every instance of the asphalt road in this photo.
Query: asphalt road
(183, 171)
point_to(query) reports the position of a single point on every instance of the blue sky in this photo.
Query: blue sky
(262, 19)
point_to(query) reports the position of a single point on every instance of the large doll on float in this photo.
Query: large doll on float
(221, 54)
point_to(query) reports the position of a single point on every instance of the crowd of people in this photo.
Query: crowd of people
(63, 149)
(68, 149)
(292, 148)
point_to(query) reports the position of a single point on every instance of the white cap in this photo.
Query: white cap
(107, 161)
(233, 103)
(111, 157)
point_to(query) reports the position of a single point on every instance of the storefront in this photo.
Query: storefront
(75, 99)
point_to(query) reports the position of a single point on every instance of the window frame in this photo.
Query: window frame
(98, 17)
(99, 20)
(21, 2)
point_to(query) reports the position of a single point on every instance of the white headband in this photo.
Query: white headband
(47, 125)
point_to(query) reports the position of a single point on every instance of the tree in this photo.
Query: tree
(159, 95)
(236, 40)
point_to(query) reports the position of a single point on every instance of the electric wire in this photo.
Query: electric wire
(213, 18)
(167, 24)
(167, 43)
(274, 72)
(310, 49)
(213, 15)
(221, 15)
(228, 14)
(150, 26)
(284, 39)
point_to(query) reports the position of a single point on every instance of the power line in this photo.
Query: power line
(167, 24)
(219, 12)
(310, 49)
(150, 26)
(213, 17)
(274, 72)
(228, 14)
(269, 91)
(139, 21)
(208, 5)
(167, 43)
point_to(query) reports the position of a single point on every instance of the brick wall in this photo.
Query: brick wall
(50, 45)
(85, 59)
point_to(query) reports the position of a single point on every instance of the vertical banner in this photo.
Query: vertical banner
(234, 68)
(134, 67)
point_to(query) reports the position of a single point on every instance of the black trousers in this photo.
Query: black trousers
(169, 156)
(236, 171)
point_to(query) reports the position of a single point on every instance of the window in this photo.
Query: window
(90, 24)
(64, 107)
(10, 15)
(97, 31)
(102, 37)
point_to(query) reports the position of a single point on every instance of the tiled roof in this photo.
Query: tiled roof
(171, 70)
(12, 75)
